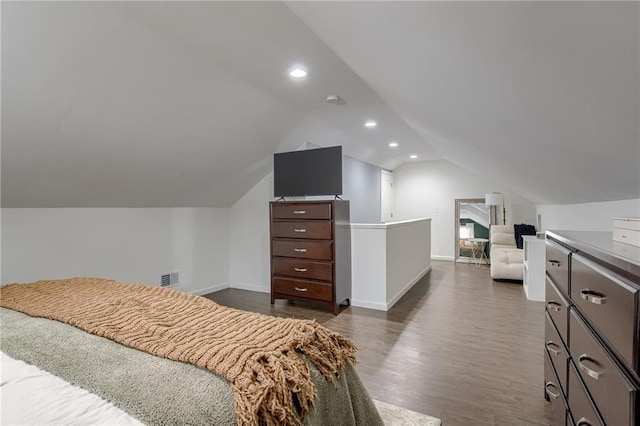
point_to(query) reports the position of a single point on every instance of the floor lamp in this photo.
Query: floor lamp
(496, 199)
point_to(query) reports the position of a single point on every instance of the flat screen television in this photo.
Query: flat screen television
(308, 172)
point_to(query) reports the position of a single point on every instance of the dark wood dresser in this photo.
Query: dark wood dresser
(311, 252)
(592, 337)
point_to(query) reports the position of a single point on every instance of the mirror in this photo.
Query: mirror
(472, 222)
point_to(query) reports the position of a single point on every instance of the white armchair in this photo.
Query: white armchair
(506, 258)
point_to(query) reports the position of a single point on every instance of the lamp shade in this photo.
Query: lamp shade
(493, 199)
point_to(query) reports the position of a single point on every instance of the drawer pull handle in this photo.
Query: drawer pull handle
(300, 269)
(300, 289)
(299, 212)
(551, 345)
(551, 394)
(589, 371)
(554, 306)
(299, 230)
(593, 297)
(300, 250)
(583, 422)
(555, 263)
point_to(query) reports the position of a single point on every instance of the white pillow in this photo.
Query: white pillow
(503, 235)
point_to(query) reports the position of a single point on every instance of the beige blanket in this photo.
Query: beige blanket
(257, 354)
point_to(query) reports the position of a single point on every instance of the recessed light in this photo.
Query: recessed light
(393, 144)
(297, 72)
(370, 124)
(413, 156)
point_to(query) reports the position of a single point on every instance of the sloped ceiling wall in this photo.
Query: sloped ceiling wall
(158, 104)
(161, 104)
(543, 95)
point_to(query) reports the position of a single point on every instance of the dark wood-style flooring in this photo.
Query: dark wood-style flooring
(457, 346)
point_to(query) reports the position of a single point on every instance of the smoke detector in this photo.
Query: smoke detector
(335, 100)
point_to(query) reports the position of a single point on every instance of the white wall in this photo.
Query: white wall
(131, 245)
(408, 257)
(586, 216)
(430, 188)
(369, 266)
(250, 266)
(212, 248)
(361, 186)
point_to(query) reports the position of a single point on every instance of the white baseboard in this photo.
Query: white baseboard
(406, 288)
(369, 305)
(210, 289)
(449, 258)
(250, 287)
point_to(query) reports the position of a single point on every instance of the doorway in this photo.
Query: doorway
(386, 196)
(472, 222)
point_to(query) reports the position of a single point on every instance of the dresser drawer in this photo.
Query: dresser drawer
(302, 289)
(300, 211)
(581, 405)
(312, 229)
(613, 394)
(553, 393)
(558, 308)
(301, 268)
(627, 236)
(558, 259)
(320, 250)
(610, 303)
(631, 223)
(557, 352)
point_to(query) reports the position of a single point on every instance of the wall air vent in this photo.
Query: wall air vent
(169, 280)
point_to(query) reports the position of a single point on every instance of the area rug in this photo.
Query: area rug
(396, 416)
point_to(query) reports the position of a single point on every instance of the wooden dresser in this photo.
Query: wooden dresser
(311, 252)
(592, 335)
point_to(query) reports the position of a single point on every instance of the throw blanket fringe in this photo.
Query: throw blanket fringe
(259, 355)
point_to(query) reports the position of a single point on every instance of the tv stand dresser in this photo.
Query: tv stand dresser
(592, 333)
(311, 252)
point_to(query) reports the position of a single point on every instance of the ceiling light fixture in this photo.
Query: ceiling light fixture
(335, 100)
(370, 124)
(413, 156)
(393, 144)
(298, 72)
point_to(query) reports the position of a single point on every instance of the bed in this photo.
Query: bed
(159, 356)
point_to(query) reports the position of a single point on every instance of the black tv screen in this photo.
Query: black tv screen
(308, 172)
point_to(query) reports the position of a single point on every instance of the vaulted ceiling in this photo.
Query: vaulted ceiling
(153, 104)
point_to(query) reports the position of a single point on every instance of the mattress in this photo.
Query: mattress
(31, 396)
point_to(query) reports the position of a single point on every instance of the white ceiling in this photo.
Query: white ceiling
(153, 104)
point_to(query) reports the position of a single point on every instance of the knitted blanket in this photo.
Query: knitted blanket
(257, 354)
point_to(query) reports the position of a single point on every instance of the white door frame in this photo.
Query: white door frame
(386, 196)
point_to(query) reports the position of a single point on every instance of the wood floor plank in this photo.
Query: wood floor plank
(458, 346)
